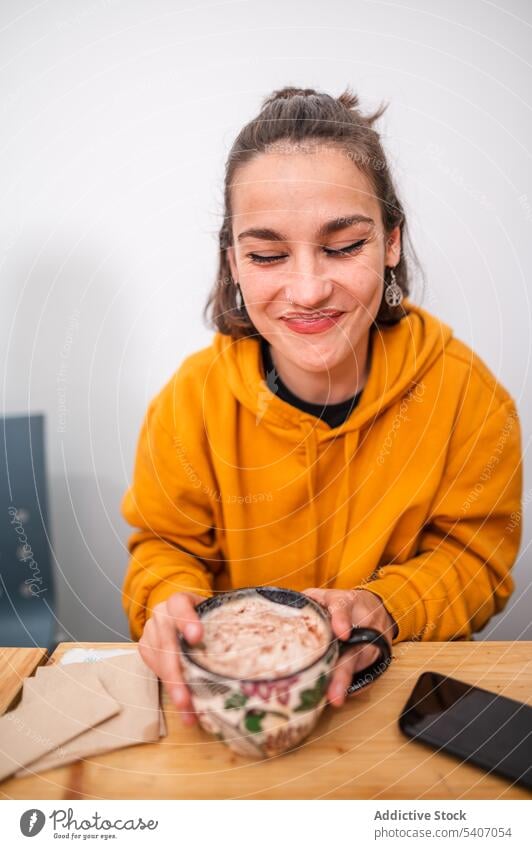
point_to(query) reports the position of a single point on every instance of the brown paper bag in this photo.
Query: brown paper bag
(128, 680)
(49, 720)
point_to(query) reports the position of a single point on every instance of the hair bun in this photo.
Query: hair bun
(348, 99)
(287, 92)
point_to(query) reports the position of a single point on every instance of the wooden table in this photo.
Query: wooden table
(15, 665)
(356, 751)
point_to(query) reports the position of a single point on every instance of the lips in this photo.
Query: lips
(317, 324)
(309, 317)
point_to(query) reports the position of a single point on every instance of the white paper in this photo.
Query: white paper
(91, 655)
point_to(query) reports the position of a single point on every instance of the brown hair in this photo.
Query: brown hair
(304, 115)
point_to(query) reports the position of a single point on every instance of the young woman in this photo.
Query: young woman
(334, 438)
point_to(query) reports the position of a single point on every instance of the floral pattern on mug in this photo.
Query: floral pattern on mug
(266, 689)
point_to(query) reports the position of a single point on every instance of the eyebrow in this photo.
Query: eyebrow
(332, 226)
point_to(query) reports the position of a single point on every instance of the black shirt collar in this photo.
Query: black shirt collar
(333, 414)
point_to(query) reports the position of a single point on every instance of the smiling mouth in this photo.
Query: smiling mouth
(311, 317)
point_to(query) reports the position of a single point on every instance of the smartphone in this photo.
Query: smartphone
(475, 725)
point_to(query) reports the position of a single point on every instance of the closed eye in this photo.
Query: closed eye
(350, 249)
(347, 251)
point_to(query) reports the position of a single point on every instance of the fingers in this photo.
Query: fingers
(170, 671)
(317, 594)
(341, 621)
(341, 679)
(159, 648)
(182, 610)
(161, 654)
(354, 660)
(339, 604)
(324, 597)
(346, 610)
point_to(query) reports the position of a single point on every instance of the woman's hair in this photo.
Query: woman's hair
(294, 115)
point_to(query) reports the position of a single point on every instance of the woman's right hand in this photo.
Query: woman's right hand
(159, 646)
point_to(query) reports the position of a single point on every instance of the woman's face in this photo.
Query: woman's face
(307, 228)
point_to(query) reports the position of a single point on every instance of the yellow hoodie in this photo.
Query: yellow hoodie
(416, 496)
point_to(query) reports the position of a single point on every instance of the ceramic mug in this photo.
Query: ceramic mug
(268, 716)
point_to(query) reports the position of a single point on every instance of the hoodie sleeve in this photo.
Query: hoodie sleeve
(460, 576)
(174, 547)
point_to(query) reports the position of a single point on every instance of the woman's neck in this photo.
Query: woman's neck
(330, 387)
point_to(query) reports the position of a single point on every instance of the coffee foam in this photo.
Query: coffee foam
(257, 638)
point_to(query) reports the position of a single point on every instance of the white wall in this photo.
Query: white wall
(116, 118)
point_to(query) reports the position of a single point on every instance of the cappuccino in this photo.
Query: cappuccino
(255, 638)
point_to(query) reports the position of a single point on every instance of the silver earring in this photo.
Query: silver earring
(393, 294)
(239, 298)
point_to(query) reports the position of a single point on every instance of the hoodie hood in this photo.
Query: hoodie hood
(399, 356)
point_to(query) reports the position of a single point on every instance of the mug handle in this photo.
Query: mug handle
(367, 676)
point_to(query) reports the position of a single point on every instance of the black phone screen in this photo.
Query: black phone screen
(478, 726)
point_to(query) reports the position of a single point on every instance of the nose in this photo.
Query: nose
(306, 285)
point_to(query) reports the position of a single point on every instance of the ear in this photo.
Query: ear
(393, 247)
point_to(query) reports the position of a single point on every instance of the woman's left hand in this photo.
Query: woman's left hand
(349, 608)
